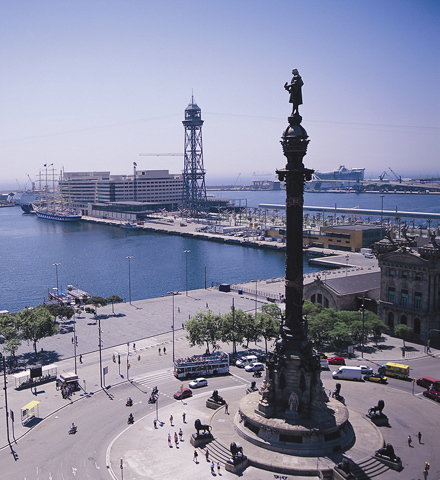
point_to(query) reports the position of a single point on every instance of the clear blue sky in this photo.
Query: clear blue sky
(89, 85)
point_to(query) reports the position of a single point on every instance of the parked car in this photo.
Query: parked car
(198, 382)
(376, 377)
(185, 393)
(336, 361)
(366, 370)
(254, 367)
(426, 382)
(432, 394)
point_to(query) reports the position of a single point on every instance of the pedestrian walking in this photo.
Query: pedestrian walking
(169, 440)
(180, 434)
(419, 436)
(409, 440)
(226, 408)
(207, 455)
(171, 420)
(159, 350)
(164, 350)
(176, 440)
(212, 468)
(155, 423)
(184, 417)
(196, 456)
(218, 468)
(134, 346)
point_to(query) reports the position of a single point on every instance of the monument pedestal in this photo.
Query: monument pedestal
(293, 434)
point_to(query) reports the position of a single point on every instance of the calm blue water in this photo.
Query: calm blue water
(93, 256)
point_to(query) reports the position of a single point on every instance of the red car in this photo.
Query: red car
(336, 361)
(185, 393)
(432, 394)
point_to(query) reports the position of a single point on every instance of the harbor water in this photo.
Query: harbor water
(93, 257)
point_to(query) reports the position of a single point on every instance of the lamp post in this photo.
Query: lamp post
(186, 275)
(6, 396)
(363, 325)
(129, 257)
(172, 326)
(75, 341)
(56, 272)
(256, 298)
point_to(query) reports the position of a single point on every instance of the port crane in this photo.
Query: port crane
(398, 177)
(383, 175)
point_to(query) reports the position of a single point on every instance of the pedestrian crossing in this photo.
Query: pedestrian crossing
(150, 380)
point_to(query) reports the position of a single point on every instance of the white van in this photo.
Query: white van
(348, 373)
(247, 360)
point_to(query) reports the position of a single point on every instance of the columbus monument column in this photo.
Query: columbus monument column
(292, 410)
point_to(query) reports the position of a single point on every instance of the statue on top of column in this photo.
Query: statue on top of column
(294, 88)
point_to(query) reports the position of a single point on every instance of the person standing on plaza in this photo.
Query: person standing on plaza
(184, 417)
(212, 468)
(171, 420)
(180, 434)
(218, 468)
(207, 454)
(419, 436)
(409, 440)
(176, 440)
(226, 409)
(159, 350)
(196, 456)
(169, 439)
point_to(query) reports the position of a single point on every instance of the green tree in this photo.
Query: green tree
(36, 324)
(376, 326)
(232, 328)
(268, 322)
(114, 299)
(204, 329)
(402, 331)
(60, 311)
(340, 335)
(9, 328)
(97, 302)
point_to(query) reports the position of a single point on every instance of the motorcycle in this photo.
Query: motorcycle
(129, 402)
(154, 395)
(257, 374)
(130, 419)
(72, 430)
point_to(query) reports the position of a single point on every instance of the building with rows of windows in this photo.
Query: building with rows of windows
(410, 286)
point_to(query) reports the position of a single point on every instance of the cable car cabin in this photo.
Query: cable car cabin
(215, 363)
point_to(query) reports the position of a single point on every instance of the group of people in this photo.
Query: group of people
(68, 388)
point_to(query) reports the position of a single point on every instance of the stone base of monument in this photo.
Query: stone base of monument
(214, 405)
(200, 440)
(237, 464)
(379, 419)
(323, 433)
(397, 465)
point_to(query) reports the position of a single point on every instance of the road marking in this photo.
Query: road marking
(153, 379)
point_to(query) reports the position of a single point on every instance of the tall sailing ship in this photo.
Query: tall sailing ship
(52, 208)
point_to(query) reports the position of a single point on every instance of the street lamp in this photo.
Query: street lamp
(75, 341)
(256, 298)
(172, 327)
(186, 251)
(363, 325)
(56, 272)
(129, 257)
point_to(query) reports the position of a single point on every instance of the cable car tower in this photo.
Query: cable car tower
(194, 188)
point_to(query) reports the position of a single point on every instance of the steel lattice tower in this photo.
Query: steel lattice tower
(194, 188)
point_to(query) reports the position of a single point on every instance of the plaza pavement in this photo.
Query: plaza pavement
(142, 322)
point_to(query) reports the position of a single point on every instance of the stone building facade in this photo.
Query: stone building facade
(410, 287)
